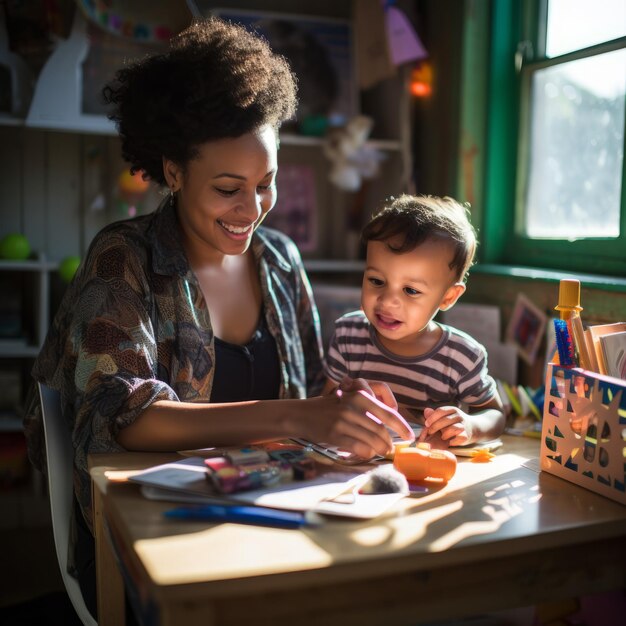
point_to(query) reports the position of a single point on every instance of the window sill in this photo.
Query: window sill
(593, 281)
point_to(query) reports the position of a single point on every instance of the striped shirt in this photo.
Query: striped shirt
(454, 372)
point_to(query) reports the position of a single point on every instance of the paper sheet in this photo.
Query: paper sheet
(187, 477)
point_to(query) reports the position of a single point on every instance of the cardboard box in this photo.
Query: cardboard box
(584, 417)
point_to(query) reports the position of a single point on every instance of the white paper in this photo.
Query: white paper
(614, 351)
(188, 477)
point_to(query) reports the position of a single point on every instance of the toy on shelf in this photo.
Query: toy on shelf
(68, 267)
(352, 159)
(14, 247)
(130, 192)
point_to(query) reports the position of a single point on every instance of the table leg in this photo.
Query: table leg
(187, 613)
(110, 586)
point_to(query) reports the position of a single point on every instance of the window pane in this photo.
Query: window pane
(576, 148)
(576, 24)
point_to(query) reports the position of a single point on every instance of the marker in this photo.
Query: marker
(241, 514)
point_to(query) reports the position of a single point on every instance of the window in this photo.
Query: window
(567, 94)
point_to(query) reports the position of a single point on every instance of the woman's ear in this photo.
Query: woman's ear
(451, 296)
(172, 174)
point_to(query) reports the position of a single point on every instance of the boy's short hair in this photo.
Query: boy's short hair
(417, 219)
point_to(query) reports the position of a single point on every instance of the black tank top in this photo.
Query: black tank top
(249, 372)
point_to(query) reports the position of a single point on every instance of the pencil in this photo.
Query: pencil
(581, 344)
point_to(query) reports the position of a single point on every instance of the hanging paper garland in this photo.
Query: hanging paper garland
(128, 19)
(402, 40)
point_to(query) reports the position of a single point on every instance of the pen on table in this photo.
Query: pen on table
(241, 514)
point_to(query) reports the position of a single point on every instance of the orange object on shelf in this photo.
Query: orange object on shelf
(421, 83)
(132, 183)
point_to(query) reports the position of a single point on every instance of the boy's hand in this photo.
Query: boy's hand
(448, 423)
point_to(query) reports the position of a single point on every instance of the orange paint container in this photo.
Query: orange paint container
(423, 462)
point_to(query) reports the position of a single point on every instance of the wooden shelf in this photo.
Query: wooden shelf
(291, 139)
(41, 267)
(10, 423)
(28, 265)
(333, 265)
(9, 120)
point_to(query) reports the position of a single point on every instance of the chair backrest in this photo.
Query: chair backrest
(60, 462)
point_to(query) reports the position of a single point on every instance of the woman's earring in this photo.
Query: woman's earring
(172, 197)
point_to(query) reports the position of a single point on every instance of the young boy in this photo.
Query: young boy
(419, 250)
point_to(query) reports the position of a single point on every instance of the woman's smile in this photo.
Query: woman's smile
(240, 233)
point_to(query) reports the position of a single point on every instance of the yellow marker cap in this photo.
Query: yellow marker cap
(569, 295)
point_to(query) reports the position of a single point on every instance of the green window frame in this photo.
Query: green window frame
(510, 23)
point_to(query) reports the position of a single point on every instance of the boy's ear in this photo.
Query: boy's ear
(451, 296)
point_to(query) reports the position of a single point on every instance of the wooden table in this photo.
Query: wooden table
(499, 535)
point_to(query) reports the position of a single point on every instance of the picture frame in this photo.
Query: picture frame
(526, 328)
(320, 51)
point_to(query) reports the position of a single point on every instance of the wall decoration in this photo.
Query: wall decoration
(526, 328)
(141, 20)
(404, 44)
(68, 91)
(319, 51)
(295, 213)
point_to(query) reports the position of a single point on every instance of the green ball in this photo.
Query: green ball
(68, 267)
(15, 247)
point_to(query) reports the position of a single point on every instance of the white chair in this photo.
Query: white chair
(60, 460)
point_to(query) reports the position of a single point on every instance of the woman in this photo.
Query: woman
(192, 327)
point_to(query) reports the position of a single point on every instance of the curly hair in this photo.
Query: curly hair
(216, 81)
(416, 219)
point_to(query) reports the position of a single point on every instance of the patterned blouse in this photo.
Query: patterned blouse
(133, 328)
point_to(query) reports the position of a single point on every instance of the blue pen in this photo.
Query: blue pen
(241, 514)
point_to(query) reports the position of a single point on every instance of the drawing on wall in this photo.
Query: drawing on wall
(295, 213)
(526, 328)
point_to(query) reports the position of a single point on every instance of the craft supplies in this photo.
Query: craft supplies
(383, 479)
(570, 335)
(423, 462)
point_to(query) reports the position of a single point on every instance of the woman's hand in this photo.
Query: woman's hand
(353, 419)
(378, 389)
